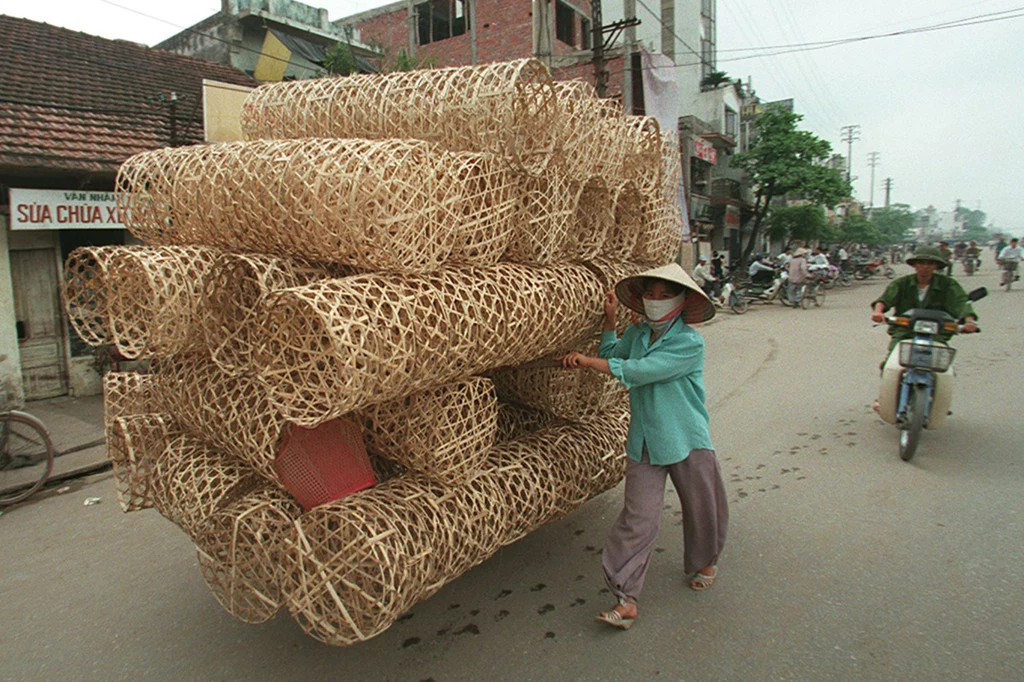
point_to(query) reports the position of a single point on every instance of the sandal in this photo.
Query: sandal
(615, 618)
(701, 582)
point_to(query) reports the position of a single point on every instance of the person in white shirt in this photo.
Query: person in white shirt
(785, 257)
(702, 275)
(758, 267)
(1008, 258)
(818, 258)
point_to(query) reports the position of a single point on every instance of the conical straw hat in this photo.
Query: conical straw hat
(698, 306)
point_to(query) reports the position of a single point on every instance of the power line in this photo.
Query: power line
(820, 45)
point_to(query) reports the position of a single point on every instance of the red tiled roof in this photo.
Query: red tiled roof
(76, 102)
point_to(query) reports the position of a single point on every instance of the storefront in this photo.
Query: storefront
(43, 227)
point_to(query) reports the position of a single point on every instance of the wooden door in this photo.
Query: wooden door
(40, 331)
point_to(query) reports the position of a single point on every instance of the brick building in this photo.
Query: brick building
(73, 107)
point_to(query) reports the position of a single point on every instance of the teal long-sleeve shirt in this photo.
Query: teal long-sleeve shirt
(666, 390)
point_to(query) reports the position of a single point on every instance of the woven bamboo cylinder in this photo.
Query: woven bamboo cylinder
(242, 552)
(515, 421)
(627, 209)
(593, 221)
(236, 286)
(232, 413)
(443, 434)
(661, 236)
(191, 481)
(358, 564)
(507, 108)
(566, 394)
(550, 204)
(337, 346)
(641, 162)
(134, 444)
(154, 296)
(490, 208)
(126, 394)
(579, 128)
(86, 292)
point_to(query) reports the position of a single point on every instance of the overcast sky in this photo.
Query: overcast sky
(942, 108)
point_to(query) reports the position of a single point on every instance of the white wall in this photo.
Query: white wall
(11, 392)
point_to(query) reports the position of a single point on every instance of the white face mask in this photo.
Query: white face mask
(657, 311)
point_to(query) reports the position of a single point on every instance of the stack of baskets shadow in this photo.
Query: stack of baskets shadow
(394, 254)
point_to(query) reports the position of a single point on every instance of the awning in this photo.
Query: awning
(314, 52)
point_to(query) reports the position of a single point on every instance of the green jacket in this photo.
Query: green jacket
(944, 293)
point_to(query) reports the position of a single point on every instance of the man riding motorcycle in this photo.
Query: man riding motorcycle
(925, 288)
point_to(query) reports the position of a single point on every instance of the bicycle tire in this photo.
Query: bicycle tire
(806, 294)
(738, 304)
(910, 437)
(26, 446)
(819, 296)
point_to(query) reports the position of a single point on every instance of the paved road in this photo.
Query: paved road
(843, 562)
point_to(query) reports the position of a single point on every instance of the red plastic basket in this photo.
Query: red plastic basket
(323, 464)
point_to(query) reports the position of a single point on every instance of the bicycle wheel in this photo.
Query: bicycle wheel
(806, 296)
(819, 295)
(26, 456)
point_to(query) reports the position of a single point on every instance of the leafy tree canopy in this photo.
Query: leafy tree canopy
(894, 224)
(805, 223)
(339, 60)
(787, 161)
(859, 230)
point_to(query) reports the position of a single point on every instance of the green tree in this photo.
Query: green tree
(894, 224)
(339, 60)
(786, 161)
(806, 223)
(859, 230)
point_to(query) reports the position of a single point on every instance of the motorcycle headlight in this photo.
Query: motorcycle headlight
(926, 327)
(926, 356)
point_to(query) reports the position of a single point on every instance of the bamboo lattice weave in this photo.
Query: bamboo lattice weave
(507, 108)
(443, 433)
(361, 562)
(191, 481)
(233, 292)
(397, 205)
(242, 551)
(86, 293)
(134, 444)
(339, 345)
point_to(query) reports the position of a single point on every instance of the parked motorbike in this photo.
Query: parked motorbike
(917, 379)
(739, 293)
(864, 269)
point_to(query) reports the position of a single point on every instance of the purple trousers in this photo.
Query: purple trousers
(698, 482)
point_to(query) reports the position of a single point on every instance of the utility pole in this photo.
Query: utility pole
(873, 161)
(850, 133)
(601, 43)
(888, 190)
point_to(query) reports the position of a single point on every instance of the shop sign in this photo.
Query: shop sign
(59, 209)
(704, 151)
(732, 216)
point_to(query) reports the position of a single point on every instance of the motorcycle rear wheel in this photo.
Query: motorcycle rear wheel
(889, 272)
(860, 274)
(910, 436)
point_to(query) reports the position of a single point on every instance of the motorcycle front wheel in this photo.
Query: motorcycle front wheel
(910, 436)
(889, 272)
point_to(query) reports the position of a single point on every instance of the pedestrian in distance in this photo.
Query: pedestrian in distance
(702, 275)
(799, 273)
(661, 361)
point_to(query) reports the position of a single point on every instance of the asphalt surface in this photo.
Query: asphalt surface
(842, 563)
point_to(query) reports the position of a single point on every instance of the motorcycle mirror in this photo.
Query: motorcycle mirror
(977, 294)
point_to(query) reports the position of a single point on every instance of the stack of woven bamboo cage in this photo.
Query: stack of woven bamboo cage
(395, 254)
